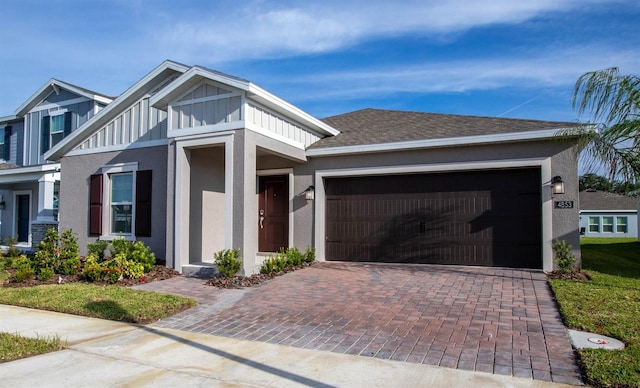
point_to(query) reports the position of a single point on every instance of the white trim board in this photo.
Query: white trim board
(543, 163)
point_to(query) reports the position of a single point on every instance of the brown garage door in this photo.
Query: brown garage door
(487, 218)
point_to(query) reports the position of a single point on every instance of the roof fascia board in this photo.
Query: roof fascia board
(31, 169)
(438, 143)
(161, 99)
(608, 211)
(8, 118)
(106, 113)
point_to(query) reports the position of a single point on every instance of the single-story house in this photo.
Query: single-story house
(192, 161)
(605, 214)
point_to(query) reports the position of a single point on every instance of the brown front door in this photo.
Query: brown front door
(273, 213)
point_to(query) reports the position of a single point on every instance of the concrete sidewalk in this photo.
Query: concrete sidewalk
(102, 353)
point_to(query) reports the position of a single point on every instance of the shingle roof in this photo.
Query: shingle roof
(376, 126)
(601, 200)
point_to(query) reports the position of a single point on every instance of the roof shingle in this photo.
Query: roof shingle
(601, 200)
(377, 126)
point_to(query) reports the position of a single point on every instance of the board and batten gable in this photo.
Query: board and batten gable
(139, 122)
(213, 106)
(81, 110)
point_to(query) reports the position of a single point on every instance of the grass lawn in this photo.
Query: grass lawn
(13, 347)
(609, 304)
(106, 302)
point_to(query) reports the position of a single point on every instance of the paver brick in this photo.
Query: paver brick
(491, 320)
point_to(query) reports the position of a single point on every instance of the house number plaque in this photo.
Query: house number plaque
(564, 204)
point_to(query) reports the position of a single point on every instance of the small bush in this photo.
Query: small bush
(564, 256)
(120, 245)
(12, 251)
(70, 267)
(92, 270)
(228, 262)
(310, 255)
(97, 249)
(140, 254)
(45, 274)
(24, 272)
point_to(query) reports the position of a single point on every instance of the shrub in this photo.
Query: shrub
(140, 254)
(97, 249)
(45, 274)
(120, 245)
(92, 270)
(310, 255)
(228, 262)
(54, 250)
(24, 272)
(12, 251)
(294, 257)
(70, 267)
(275, 264)
(564, 255)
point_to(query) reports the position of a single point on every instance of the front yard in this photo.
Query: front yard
(608, 304)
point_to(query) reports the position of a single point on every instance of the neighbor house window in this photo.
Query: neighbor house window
(120, 202)
(607, 224)
(621, 224)
(55, 127)
(594, 224)
(5, 143)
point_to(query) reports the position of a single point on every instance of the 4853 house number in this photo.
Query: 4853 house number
(564, 204)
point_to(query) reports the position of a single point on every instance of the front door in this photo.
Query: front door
(22, 217)
(273, 213)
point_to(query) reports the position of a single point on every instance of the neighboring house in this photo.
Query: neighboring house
(192, 161)
(605, 214)
(28, 183)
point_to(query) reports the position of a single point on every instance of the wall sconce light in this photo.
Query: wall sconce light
(2, 205)
(557, 185)
(310, 193)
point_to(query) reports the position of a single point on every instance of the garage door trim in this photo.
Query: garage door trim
(543, 163)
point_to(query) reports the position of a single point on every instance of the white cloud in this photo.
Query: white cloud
(271, 30)
(549, 69)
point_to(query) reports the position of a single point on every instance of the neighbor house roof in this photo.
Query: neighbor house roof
(601, 200)
(377, 126)
(52, 86)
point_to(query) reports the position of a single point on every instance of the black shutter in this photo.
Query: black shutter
(44, 134)
(95, 205)
(143, 203)
(7, 143)
(67, 124)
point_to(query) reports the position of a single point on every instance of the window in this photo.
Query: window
(607, 224)
(120, 202)
(621, 224)
(594, 224)
(5, 143)
(54, 128)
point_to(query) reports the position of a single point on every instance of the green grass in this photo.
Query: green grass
(13, 347)
(609, 304)
(106, 302)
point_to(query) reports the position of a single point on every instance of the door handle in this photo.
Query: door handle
(261, 222)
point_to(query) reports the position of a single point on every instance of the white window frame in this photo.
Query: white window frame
(625, 224)
(2, 132)
(107, 171)
(52, 114)
(605, 225)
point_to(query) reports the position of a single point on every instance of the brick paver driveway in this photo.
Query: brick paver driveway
(493, 320)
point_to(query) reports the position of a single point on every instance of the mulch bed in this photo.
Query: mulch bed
(573, 275)
(248, 281)
(159, 272)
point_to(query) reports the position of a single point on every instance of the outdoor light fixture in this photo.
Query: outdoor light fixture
(310, 193)
(557, 185)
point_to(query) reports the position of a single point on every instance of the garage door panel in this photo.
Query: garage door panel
(473, 218)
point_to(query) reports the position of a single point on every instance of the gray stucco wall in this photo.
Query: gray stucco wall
(74, 191)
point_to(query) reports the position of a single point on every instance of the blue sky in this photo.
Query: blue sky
(493, 58)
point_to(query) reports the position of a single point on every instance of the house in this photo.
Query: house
(192, 161)
(29, 184)
(605, 214)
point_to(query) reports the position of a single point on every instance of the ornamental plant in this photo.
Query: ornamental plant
(564, 256)
(228, 262)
